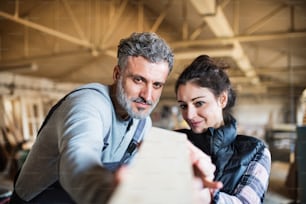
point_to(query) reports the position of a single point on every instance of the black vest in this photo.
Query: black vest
(231, 153)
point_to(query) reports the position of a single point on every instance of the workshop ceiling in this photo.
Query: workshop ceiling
(264, 41)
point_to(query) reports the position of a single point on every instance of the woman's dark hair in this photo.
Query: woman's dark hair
(205, 72)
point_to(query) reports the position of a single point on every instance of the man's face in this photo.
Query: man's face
(139, 85)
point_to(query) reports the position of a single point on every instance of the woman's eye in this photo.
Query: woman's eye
(199, 103)
(182, 106)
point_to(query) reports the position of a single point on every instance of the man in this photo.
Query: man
(95, 129)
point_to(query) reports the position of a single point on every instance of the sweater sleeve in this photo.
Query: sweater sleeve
(253, 185)
(81, 128)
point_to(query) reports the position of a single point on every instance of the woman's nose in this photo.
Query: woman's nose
(190, 112)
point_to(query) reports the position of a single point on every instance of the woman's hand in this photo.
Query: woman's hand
(202, 195)
(204, 174)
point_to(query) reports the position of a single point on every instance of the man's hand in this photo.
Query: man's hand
(120, 174)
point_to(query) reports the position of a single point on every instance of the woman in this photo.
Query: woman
(243, 163)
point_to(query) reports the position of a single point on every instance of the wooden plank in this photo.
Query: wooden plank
(161, 172)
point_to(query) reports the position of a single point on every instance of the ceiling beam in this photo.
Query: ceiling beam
(191, 54)
(74, 20)
(219, 25)
(140, 18)
(241, 38)
(281, 70)
(113, 24)
(264, 19)
(161, 17)
(46, 30)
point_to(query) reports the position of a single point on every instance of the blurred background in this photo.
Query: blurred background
(49, 47)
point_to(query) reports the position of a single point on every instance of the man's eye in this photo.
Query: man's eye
(157, 85)
(137, 79)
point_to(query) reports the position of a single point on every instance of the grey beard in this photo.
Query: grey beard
(127, 104)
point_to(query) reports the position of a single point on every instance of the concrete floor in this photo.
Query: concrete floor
(278, 192)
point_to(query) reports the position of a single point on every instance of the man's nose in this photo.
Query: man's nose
(147, 92)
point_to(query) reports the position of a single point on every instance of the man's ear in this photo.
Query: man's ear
(223, 98)
(116, 73)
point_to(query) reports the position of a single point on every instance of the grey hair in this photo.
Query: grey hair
(148, 45)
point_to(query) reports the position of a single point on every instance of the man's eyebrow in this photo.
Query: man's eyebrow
(159, 82)
(144, 79)
(130, 74)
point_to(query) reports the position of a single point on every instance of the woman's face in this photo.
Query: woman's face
(200, 108)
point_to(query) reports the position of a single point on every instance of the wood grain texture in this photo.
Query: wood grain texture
(161, 172)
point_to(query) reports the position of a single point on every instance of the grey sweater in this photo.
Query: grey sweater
(69, 147)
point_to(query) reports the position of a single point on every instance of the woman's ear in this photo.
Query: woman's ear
(223, 98)
(116, 73)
